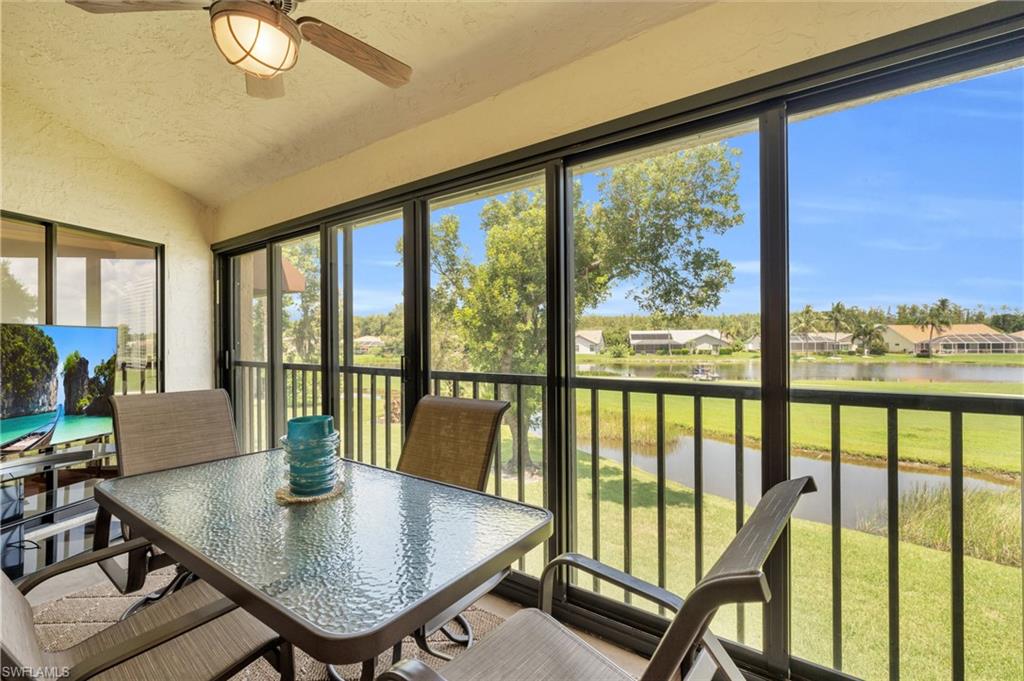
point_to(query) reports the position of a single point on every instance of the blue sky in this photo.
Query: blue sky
(93, 343)
(906, 199)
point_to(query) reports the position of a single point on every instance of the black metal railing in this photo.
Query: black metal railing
(365, 393)
(365, 389)
(892, 404)
(127, 371)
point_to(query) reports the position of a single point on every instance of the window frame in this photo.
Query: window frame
(982, 36)
(50, 228)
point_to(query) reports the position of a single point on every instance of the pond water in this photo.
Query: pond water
(822, 370)
(863, 486)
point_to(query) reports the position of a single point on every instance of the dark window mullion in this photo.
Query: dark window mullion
(775, 366)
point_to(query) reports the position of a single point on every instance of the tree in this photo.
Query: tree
(300, 310)
(18, 304)
(868, 336)
(805, 321)
(837, 317)
(648, 228)
(936, 319)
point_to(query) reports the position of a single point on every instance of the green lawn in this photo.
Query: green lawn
(993, 596)
(992, 444)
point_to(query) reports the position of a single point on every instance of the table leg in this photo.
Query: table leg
(369, 667)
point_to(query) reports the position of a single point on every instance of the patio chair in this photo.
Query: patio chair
(452, 440)
(156, 432)
(532, 645)
(194, 633)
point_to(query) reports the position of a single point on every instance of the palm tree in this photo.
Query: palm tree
(805, 320)
(867, 334)
(838, 317)
(936, 319)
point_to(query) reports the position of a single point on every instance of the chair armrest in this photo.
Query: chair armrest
(410, 670)
(608, 574)
(147, 640)
(33, 580)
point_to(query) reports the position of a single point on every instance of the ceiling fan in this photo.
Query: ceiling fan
(260, 38)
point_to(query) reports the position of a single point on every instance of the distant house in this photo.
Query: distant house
(1018, 334)
(817, 341)
(676, 340)
(753, 344)
(911, 338)
(365, 344)
(589, 341)
(997, 343)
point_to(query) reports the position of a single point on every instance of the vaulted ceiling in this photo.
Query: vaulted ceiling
(153, 89)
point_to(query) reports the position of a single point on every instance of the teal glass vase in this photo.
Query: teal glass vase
(311, 449)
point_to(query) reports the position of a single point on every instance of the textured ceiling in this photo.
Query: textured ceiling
(153, 88)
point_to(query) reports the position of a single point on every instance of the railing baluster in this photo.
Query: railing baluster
(497, 454)
(387, 421)
(544, 449)
(455, 388)
(295, 392)
(124, 378)
(595, 479)
(359, 416)
(739, 492)
(304, 396)
(837, 541)
(893, 513)
(662, 530)
(698, 486)
(476, 390)
(316, 391)
(247, 398)
(627, 491)
(956, 489)
(401, 413)
(373, 419)
(437, 387)
(142, 378)
(521, 454)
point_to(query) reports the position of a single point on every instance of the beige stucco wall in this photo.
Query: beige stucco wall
(714, 46)
(52, 171)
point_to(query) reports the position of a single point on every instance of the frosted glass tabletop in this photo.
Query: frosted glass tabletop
(340, 578)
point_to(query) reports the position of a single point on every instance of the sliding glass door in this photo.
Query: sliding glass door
(826, 282)
(666, 374)
(371, 337)
(248, 367)
(488, 325)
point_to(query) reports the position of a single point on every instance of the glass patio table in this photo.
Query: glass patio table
(345, 578)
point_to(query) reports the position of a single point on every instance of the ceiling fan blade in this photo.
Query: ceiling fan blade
(264, 88)
(355, 52)
(118, 6)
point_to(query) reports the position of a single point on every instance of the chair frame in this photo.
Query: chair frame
(279, 655)
(688, 646)
(143, 561)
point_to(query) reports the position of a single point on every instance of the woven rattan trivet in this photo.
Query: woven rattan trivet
(284, 497)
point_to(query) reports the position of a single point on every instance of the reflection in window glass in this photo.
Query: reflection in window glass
(105, 282)
(249, 365)
(298, 379)
(667, 250)
(22, 272)
(907, 276)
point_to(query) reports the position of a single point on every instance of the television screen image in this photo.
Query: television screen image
(55, 384)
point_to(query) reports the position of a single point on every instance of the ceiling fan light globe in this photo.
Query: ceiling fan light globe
(255, 37)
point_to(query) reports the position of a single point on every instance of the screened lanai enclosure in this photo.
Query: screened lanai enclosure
(473, 284)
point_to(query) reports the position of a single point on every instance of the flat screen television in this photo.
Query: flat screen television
(55, 384)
